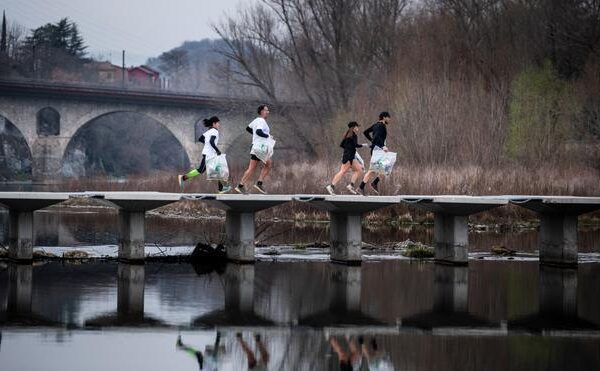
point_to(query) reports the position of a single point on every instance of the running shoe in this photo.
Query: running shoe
(375, 188)
(329, 189)
(351, 189)
(361, 191)
(181, 182)
(225, 189)
(240, 189)
(260, 189)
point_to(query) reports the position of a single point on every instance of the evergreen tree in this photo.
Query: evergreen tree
(3, 37)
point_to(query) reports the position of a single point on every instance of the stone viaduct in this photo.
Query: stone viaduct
(49, 116)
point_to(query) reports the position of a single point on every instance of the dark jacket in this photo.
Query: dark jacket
(350, 145)
(379, 134)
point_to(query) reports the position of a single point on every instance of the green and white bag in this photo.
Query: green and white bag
(263, 148)
(217, 169)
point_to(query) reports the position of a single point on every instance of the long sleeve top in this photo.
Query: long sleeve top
(376, 134)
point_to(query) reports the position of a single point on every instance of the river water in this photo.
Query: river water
(295, 315)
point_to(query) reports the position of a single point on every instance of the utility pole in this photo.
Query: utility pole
(123, 70)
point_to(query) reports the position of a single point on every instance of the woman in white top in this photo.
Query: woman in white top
(210, 139)
(258, 128)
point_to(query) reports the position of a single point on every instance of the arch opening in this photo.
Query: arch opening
(120, 144)
(15, 154)
(48, 122)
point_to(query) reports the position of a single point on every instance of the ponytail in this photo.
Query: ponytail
(209, 122)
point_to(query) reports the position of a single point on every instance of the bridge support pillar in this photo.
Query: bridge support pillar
(132, 235)
(21, 236)
(451, 235)
(239, 228)
(130, 291)
(558, 239)
(345, 231)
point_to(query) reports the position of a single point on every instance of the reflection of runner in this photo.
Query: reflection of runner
(253, 363)
(210, 357)
(377, 360)
(349, 361)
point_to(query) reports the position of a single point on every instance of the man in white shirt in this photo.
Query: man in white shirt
(259, 129)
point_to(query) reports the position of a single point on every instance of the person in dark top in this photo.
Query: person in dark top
(377, 135)
(209, 151)
(349, 161)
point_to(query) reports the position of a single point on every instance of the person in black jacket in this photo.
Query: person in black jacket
(349, 144)
(377, 135)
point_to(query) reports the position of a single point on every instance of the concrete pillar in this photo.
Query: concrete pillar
(558, 291)
(132, 241)
(451, 289)
(239, 227)
(20, 235)
(346, 287)
(558, 239)
(130, 291)
(345, 231)
(19, 288)
(451, 235)
(239, 288)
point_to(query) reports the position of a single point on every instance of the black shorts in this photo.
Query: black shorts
(253, 157)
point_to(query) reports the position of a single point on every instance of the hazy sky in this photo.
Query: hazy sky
(143, 28)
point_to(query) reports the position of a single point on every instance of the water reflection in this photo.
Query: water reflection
(311, 316)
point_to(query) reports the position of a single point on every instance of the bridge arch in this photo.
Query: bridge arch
(120, 143)
(15, 153)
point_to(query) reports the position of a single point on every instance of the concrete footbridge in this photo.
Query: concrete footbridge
(558, 217)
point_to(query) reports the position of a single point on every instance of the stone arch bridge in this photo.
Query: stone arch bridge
(49, 116)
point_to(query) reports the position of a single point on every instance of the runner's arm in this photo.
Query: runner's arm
(212, 143)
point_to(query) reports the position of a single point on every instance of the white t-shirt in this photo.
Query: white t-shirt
(208, 150)
(258, 123)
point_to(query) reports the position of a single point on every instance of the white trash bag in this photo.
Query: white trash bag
(217, 169)
(382, 162)
(263, 148)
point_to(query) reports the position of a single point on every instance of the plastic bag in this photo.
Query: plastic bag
(360, 160)
(382, 162)
(217, 169)
(263, 148)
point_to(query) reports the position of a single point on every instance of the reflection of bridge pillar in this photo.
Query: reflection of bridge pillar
(239, 288)
(346, 287)
(451, 288)
(19, 288)
(130, 290)
(558, 290)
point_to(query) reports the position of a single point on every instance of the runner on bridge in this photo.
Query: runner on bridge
(260, 131)
(350, 159)
(210, 139)
(377, 135)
